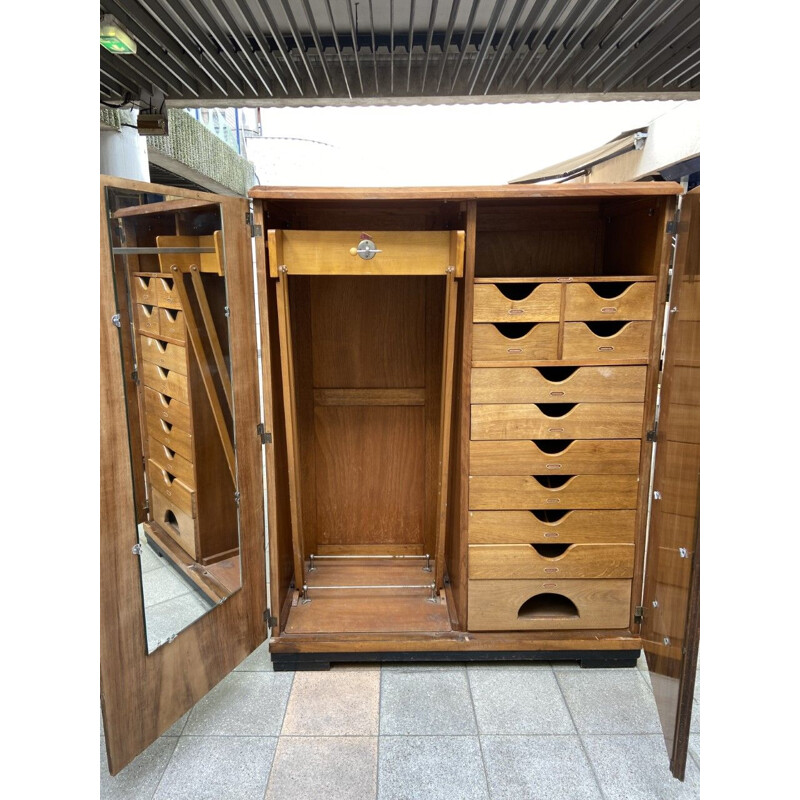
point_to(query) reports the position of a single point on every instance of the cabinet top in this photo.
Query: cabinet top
(461, 193)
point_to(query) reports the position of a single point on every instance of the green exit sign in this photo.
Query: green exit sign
(115, 38)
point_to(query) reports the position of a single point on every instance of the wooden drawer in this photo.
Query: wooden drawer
(166, 381)
(517, 302)
(519, 605)
(165, 354)
(555, 457)
(558, 421)
(526, 492)
(171, 325)
(174, 521)
(527, 527)
(145, 287)
(147, 319)
(609, 301)
(168, 296)
(172, 461)
(166, 407)
(172, 488)
(515, 342)
(508, 561)
(607, 340)
(177, 439)
(558, 385)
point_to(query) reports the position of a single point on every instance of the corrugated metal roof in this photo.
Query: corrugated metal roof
(311, 52)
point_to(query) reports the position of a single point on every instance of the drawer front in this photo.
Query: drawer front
(501, 492)
(165, 354)
(168, 296)
(166, 381)
(172, 461)
(539, 343)
(528, 527)
(558, 385)
(177, 439)
(175, 522)
(537, 303)
(635, 302)
(171, 487)
(631, 341)
(166, 407)
(581, 457)
(147, 319)
(145, 287)
(519, 605)
(504, 562)
(583, 421)
(171, 325)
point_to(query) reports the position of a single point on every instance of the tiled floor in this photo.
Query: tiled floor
(397, 732)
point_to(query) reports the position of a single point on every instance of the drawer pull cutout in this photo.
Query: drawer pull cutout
(548, 605)
(610, 289)
(165, 426)
(551, 550)
(555, 409)
(516, 291)
(171, 519)
(514, 330)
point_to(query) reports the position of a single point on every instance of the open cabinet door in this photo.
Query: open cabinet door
(671, 621)
(208, 541)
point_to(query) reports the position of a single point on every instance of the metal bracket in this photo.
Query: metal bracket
(236, 497)
(652, 435)
(638, 614)
(116, 321)
(266, 438)
(269, 619)
(255, 230)
(136, 549)
(683, 552)
(227, 311)
(672, 226)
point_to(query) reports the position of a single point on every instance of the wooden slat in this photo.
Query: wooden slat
(369, 397)
(511, 527)
(165, 206)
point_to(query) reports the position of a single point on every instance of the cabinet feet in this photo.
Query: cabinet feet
(610, 659)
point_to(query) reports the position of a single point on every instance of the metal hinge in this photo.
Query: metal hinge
(652, 435)
(255, 230)
(236, 497)
(146, 505)
(135, 376)
(269, 619)
(266, 438)
(136, 549)
(672, 226)
(638, 614)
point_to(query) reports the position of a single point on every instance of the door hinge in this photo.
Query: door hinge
(146, 506)
(269, 619)
(255, 230)
(672, 226)
(266, 438)
(236, 497)
(638, 614)
(652, 435)
(135, 376)
(136, 549)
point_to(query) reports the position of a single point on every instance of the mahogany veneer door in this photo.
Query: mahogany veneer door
(671, 625)
(143, 695)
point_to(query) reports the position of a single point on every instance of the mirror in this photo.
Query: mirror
(169, 276)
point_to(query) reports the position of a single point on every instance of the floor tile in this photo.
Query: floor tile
(218, 768)
(150, 560)
(518, 701)
(637, 768)
(329, 767)
(694, 724)
(343, 703)
(177, 728)
(610, 701)
(172, 616)
(431, 768)
(426, 703)
(258, 661)
(137, 781)
(538, 768)
(160, 585)
(242, 704)
(694, 746)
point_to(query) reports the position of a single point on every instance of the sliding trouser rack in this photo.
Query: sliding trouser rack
(312, 558)
(431, 587)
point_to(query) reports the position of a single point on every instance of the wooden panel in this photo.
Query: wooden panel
(172, 488)
(165, 354)
(370, 474)
(175, 522)
(168, 408)
(539, 342)
(583, 421)
(333, 253)
(172, 461)
(369, 397)
(526, 492)
(165, 381)
(147, 319)
(368, 334)
(582, 456)
(542, 303)
(207, 262)
(509, 527)
(634, 303)
(633, 234)
(171, 324)
(495, 605)
(178, 439)
(564, 385)
(580, 560)
(632, 341)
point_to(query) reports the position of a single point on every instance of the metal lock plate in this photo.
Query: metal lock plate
(366, 249)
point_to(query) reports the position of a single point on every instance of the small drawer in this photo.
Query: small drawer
(558, 421)
(609, 301)
(171, 325)
(517, 302)
(172, 488)
(168, 296)
(555, 457)
(560, 560)
(145, 287)
(515, 341)
(165, 354)
(172, 461)
(607, 340)
(509, 492)
(166, 381)
(147, 319)
(558, 385)
(174, 521)
(168, 408)
(520, 605)
(171, 435)
(526, 527)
